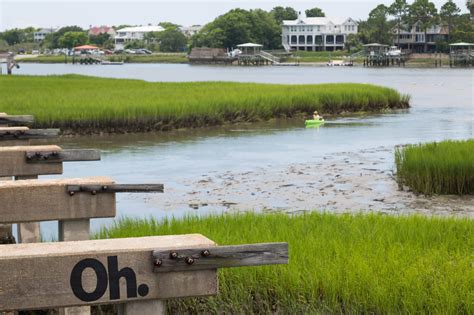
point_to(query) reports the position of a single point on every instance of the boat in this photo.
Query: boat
(313, 122)
(111, 63)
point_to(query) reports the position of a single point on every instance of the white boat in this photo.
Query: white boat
(111, 63)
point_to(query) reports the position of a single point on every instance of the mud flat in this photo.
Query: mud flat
(339, 182)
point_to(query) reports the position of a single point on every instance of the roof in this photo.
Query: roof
(85, 47)
(249, 45)
(317, 21)
(141, 29)
(96, 30)
(462, 44)
(46, 30)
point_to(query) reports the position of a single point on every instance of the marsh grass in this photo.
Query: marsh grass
(85, 103)
(437, 168)
(370, 264)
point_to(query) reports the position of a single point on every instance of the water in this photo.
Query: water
(442, 108)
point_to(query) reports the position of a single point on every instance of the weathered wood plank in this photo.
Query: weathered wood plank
(28, 232)
(47, 275)
(20, 133)
(14, 162)
(117, 188)
(44, 200)
(220, 257)
(16, 119)
(74, 230)
(76, 155)
(149, 307)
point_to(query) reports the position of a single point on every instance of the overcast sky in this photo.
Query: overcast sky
(41, 13)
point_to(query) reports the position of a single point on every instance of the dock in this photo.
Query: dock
(461, 55)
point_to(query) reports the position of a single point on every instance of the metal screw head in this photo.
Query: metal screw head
(71, 193)
(158, 262)
(189, 260)
(104, 187)
(173, 255)
(206, 253)
(93, 192)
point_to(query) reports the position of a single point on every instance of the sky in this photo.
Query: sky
(41, 13)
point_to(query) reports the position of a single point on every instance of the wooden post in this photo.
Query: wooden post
(74, 230)
(28, 232)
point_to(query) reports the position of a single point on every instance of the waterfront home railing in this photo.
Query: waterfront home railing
(269, 57)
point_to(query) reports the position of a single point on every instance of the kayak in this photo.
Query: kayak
(314, 122)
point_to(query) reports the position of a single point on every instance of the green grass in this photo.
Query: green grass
(437, 168)
(84, 103)
(372, 264)
(44, 59)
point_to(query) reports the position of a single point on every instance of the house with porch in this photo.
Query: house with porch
(414, 38)
(128, 34)
(317, 33)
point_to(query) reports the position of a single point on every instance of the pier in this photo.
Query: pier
(377, 55)
(461, 55)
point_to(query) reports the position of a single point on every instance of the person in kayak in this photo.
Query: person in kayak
(316, 116)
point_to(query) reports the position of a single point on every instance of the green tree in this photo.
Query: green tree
(399, 9)
(73, 39)
(424, 12)
(52, 39)
(172, 40)
(281, 14)
(101, 40)
(448, 11)
(378, 27)
(240, 26)
(463, 29)
(167, 25)
(315, 12)
(13, 36)
(353, 42)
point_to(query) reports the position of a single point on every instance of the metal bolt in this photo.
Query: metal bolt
(173, 255)
(104, 187)
(71, 193)
(189, 260)
(93, 192)
(158, 262)
(206, 253)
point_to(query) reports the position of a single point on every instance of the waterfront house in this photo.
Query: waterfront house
(129, 34)
(190, 31)
(414, 38)
(317, 33)
(103, 29)
(40, 35)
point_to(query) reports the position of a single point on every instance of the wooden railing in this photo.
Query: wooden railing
(76, 272)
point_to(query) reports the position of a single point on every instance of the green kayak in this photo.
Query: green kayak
(314, 122)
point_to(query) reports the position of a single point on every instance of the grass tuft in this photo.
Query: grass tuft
(437, 168)
(338, 263)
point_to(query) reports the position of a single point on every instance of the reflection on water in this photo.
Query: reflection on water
(442, 108)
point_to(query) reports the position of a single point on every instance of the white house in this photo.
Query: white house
(190, 31)
(317, 33)
(128, 34)
(40, 35)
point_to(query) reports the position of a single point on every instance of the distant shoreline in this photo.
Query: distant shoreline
(422, 62)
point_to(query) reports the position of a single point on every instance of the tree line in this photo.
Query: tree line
(264, 27)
